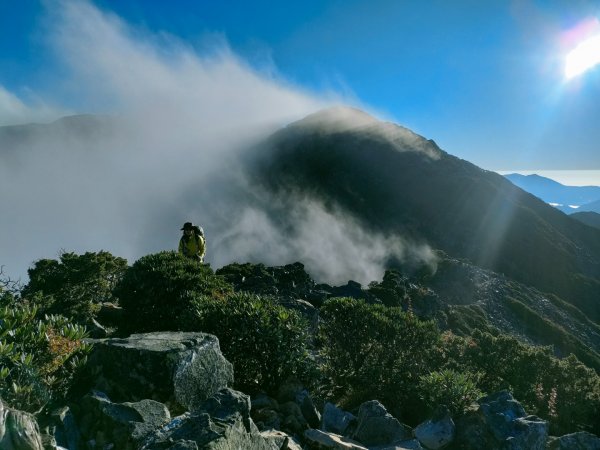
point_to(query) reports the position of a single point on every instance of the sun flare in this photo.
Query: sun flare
(583, 57)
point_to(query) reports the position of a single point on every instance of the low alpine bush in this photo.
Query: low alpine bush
(38, 358)
(75, 285)
(375, 352)
(455, 390)
(266, 342)
(155, 291)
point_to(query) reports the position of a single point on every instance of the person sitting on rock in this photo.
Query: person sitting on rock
(192, 244)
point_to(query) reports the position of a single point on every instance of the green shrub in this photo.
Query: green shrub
(547, 332)
(456, 390)
(563, 391)
(38, 358)
(74, 286)
(375, 352)
(265, 342)
(155, 291)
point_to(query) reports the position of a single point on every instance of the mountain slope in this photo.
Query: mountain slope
(396, 182)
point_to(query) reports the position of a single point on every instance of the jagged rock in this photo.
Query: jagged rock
(293, 419)
(317, 439)
(575, 441)
(304, 412)
(308, 409)
(65, 429)
(437, 432)
(221, 422)
(122, 425)
(336, 420)
(377, 427)
(501, 422)
(18, 430)
(170, 367)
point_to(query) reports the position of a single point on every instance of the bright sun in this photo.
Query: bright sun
(583, 57)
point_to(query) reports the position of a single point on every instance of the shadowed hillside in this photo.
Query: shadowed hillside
(396, 182)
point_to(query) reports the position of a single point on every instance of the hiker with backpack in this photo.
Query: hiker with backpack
(192, 244)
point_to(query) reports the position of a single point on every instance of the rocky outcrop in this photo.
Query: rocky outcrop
(148, 378)
(501, 422)
(178, 369)
(222, 422)
(289, 282)
(18, 430)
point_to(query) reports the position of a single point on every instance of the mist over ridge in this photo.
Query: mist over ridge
(167, 152)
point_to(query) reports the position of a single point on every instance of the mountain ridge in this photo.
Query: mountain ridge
(448, 202)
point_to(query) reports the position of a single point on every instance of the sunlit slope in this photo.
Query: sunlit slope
(397, 182)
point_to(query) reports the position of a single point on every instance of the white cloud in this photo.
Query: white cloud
(15, 111)
(126, 185)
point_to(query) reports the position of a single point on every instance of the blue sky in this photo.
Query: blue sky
(485, 80)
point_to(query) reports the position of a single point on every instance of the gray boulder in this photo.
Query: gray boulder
(377, 427)
(121, 425)
(575, 441)
(501, 422)
(222, 422)
(336, 420)
(437, 432)
(18, 430)
(178, 369)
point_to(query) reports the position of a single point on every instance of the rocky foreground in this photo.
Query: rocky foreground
(169, 391)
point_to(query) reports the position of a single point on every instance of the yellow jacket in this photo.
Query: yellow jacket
(193, 246)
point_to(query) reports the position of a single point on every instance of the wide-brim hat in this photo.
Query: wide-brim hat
(187, 226)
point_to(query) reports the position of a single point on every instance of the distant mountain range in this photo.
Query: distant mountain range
(568, 199)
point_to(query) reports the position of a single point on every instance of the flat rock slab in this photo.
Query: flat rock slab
(170, 367)
(323, 440)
